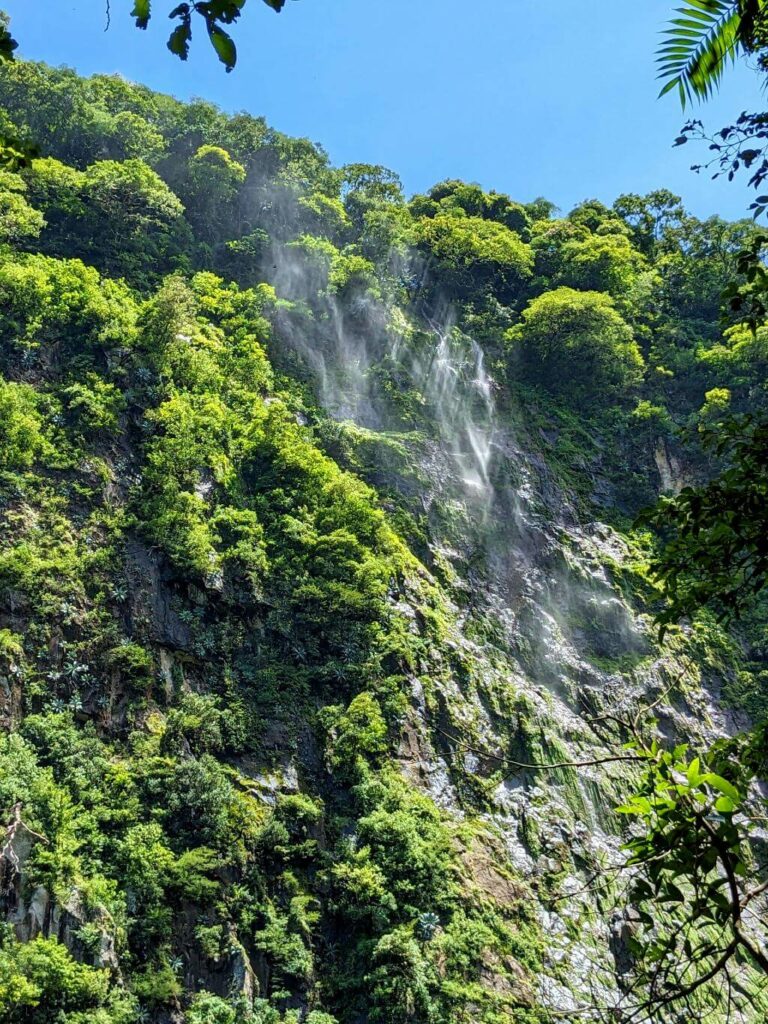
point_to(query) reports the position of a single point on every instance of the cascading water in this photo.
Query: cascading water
(458, 387)
(447, 368)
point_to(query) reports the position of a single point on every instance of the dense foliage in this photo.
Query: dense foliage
(216, 604)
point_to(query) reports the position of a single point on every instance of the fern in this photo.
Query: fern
(702, 42)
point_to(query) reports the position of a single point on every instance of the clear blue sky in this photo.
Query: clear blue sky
(528, 97)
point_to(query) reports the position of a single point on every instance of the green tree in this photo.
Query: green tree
(210, 193)
(41, 978)
(22, 430)
(650, 216)
(457, 196)
(119, 215)
(575, 344)
(399, 980)
(19, 222)
(600, 263)
(715, 537)
(473, 255)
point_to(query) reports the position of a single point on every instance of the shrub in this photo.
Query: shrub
(39, 979)
(157, 985)
(577, 345)
(197, 799)
(209, 1009)
(23, 437)
(94, 405)
(399, 980)
(18, 220)
(194, 727)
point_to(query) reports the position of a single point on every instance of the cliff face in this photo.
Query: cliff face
(305, 577)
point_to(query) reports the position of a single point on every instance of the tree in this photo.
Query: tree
(715, 537)
(119, 215)
(575, 344)
(40, 979)
(649, 216)
(212, 185)
(471, 253)
(18, 220)
(695, 850)
(14, 152)
(458, 196)
(600, 263)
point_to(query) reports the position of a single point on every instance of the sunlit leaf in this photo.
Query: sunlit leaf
(722, 786)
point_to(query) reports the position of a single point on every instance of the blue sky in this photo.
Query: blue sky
(528, 97)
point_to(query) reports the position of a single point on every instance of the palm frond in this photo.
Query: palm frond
(699, 45)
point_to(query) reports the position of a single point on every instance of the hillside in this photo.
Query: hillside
(317, 507)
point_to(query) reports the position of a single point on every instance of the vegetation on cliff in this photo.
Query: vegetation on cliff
(219, 605)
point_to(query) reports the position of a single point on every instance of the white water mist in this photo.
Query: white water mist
(342, 343)
(457, 385)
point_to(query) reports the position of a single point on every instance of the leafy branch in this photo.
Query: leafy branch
(692, 859)
(715, 537)
(214, 14)
(14, 152)
(706, 36)
(686, 870)
(734, 149)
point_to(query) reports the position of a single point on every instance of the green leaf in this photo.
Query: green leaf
(673, 894)
(725, 805)
(224, 46)
(629, 809)
(722, 786)
(178, 41)
(141, 12)
(639, 805)
(16, 154)
(693, 772)
(697, 47)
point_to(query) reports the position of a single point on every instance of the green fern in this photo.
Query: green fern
(700, 43)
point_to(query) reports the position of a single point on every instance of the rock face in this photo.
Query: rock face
(671, 473)
(10, 699)
(558, 643)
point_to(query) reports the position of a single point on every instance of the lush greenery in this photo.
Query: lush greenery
(216, 603)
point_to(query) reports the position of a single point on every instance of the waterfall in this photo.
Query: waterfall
(341, 342)
(457, 385)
